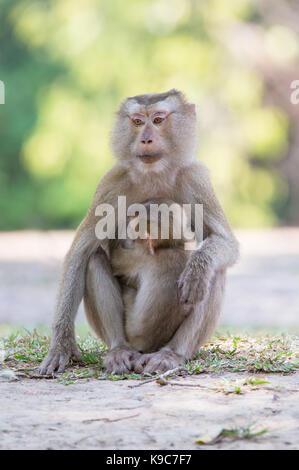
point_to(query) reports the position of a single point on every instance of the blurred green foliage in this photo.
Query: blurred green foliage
(67, 65)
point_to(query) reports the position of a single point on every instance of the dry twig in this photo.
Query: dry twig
(161, 379)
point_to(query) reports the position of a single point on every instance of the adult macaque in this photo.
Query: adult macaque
(155, 142)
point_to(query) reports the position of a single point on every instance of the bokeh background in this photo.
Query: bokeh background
(66, 66)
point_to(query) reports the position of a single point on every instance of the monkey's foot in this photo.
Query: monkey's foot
(162, 361)
(121, 360)
(56, 359)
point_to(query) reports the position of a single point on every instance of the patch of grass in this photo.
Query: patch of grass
(233, 434)
(239, 386)
(278, 354)
(23, 353)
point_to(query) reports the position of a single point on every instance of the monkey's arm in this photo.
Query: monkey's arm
(219, 248)
(71, 288)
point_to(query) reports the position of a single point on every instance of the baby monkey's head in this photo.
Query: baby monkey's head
(162, 224)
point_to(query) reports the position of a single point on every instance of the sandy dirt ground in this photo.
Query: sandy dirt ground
(43, 414)
(262, 290)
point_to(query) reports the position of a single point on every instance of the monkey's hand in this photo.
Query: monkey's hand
(194, 281)
(121, 360)
(162, 360)
(59, 356)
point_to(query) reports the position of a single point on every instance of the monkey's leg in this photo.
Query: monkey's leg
(193, 332)
(71, 288)
(105, 313)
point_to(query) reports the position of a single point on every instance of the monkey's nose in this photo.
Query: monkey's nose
(146, 141)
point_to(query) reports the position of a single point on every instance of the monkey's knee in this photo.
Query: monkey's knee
(91, 268)
(92, 296)
(92, 262)
(99, 272)
(96, 261)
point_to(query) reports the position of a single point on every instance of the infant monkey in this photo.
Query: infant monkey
(156, 258)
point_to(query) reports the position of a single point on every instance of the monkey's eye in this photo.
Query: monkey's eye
(158, 120)
(138, 121)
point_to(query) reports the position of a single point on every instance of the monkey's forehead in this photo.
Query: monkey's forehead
(145, 103)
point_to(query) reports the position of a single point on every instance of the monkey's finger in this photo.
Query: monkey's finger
(152, 367)
(124, 360)
(138, 368)
(134, 361)
(53, 364)
(140, 363)
(63, 361)
(124, 369)
(117, 367)
(127, 362)
(43, 370)
(158, 365)
(43, 367)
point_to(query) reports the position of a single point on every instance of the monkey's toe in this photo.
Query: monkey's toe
(120, 361)
(141, 363)
(49, 365)
(58, 360)
(160, 361)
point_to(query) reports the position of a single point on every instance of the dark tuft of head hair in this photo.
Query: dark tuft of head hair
(149, 99)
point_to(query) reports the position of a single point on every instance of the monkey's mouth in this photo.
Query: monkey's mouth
(149, 158)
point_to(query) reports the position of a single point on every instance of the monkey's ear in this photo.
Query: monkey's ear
(192, 106)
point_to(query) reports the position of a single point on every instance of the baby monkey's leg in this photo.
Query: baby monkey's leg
(105, 313)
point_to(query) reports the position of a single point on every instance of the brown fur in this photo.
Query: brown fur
(146, 275)
(87, 269)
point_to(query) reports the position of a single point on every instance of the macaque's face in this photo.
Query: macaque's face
(149, 127)
(152, 131)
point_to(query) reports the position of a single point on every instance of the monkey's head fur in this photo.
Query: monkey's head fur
(155, 131)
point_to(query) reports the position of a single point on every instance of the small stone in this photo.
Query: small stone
(139, 397)
(9, 375)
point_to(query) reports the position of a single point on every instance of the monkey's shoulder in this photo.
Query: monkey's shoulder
(193, 183)
(110, 186)
(196, 171)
